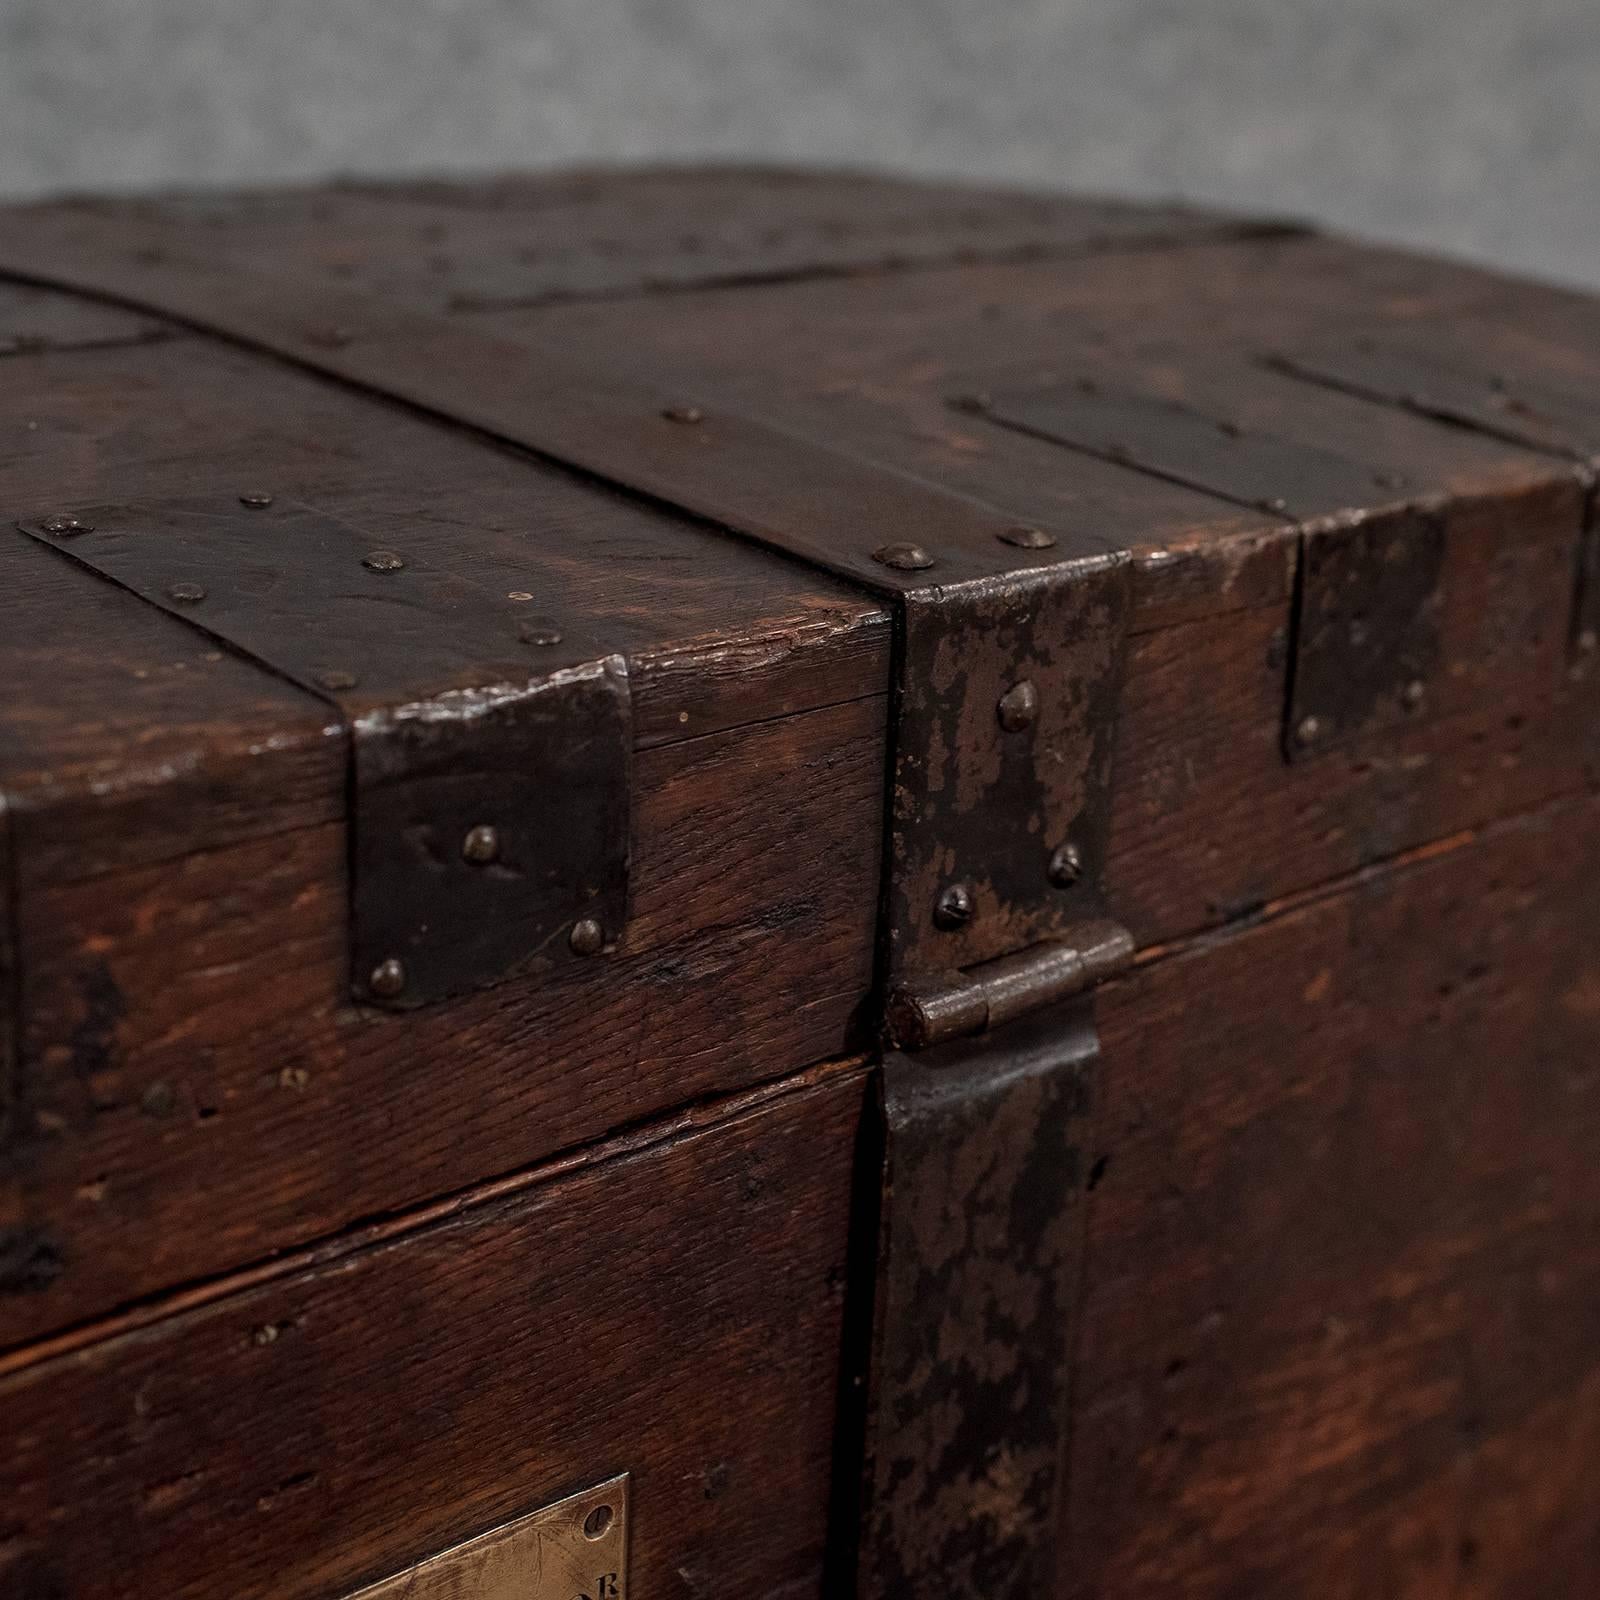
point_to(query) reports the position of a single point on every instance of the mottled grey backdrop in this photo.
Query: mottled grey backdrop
(1472, 125)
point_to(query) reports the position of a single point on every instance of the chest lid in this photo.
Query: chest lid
(1045, 584)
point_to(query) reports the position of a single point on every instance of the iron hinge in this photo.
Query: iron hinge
(940, 1006)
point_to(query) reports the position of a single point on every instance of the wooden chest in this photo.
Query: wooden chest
(726, 884)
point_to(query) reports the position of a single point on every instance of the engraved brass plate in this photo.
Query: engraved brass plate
(574, 1549)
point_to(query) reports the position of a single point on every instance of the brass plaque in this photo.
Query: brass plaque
(574, 1549)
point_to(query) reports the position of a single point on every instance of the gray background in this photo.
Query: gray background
(1470, 125)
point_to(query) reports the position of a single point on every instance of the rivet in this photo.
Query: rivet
(953, 909)
(335, 678)
(1308, 730)
(597, 1522)
(481, 845)
(541, 633)
(1589, 641)
(256, 499)
(187, 594)
(689, 414)
(519, 595)
(383, 561)
(65, 527)
(1018, 706)
(1066, 865)
(587, 937)
(1414, 694)
(1026, 538)
(1273, 503)
(902, 557)
(388, 978)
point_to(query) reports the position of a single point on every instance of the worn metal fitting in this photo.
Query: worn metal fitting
(1018, 707)
(481, 845)
(954, 908)
(1025, 537)
(1066, 865)
(388, 978)
(903, 557)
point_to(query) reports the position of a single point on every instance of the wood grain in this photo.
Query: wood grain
(1342, 1307)
(192, 1022)
(673, 1312)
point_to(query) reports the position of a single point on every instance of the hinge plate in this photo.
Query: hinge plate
(1366, 630)
(1008, 702)
(489, 794)
(572, 1549)
(981, 1235)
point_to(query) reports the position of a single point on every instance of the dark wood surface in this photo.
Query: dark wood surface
(1341, 1317)
(671, 1310)
(180, 851)
(521, 239)
(1338, 1309)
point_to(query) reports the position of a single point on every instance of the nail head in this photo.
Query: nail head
(903, 557)
(388, 978)
(954, 908)
(383, 561)
(1066, 865)
(1018, 707)
(481, 845)
(1027, 538)
(587, 937)
(187, 594)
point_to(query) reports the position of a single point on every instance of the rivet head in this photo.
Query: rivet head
(1025, 537)
(481, 845)
(1414, 693)
(336, 678)
(902, 557)
(587, 937)
(688, 414)
(388, 978)
(954, 908)
(1308, 730)
(1066, 865)
(383, 561)
(65, 527)
(1018, 707)
(1274, 503)
(539, 633)
(256, 499)
(186, 594)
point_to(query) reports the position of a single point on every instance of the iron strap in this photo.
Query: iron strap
(999, 844)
